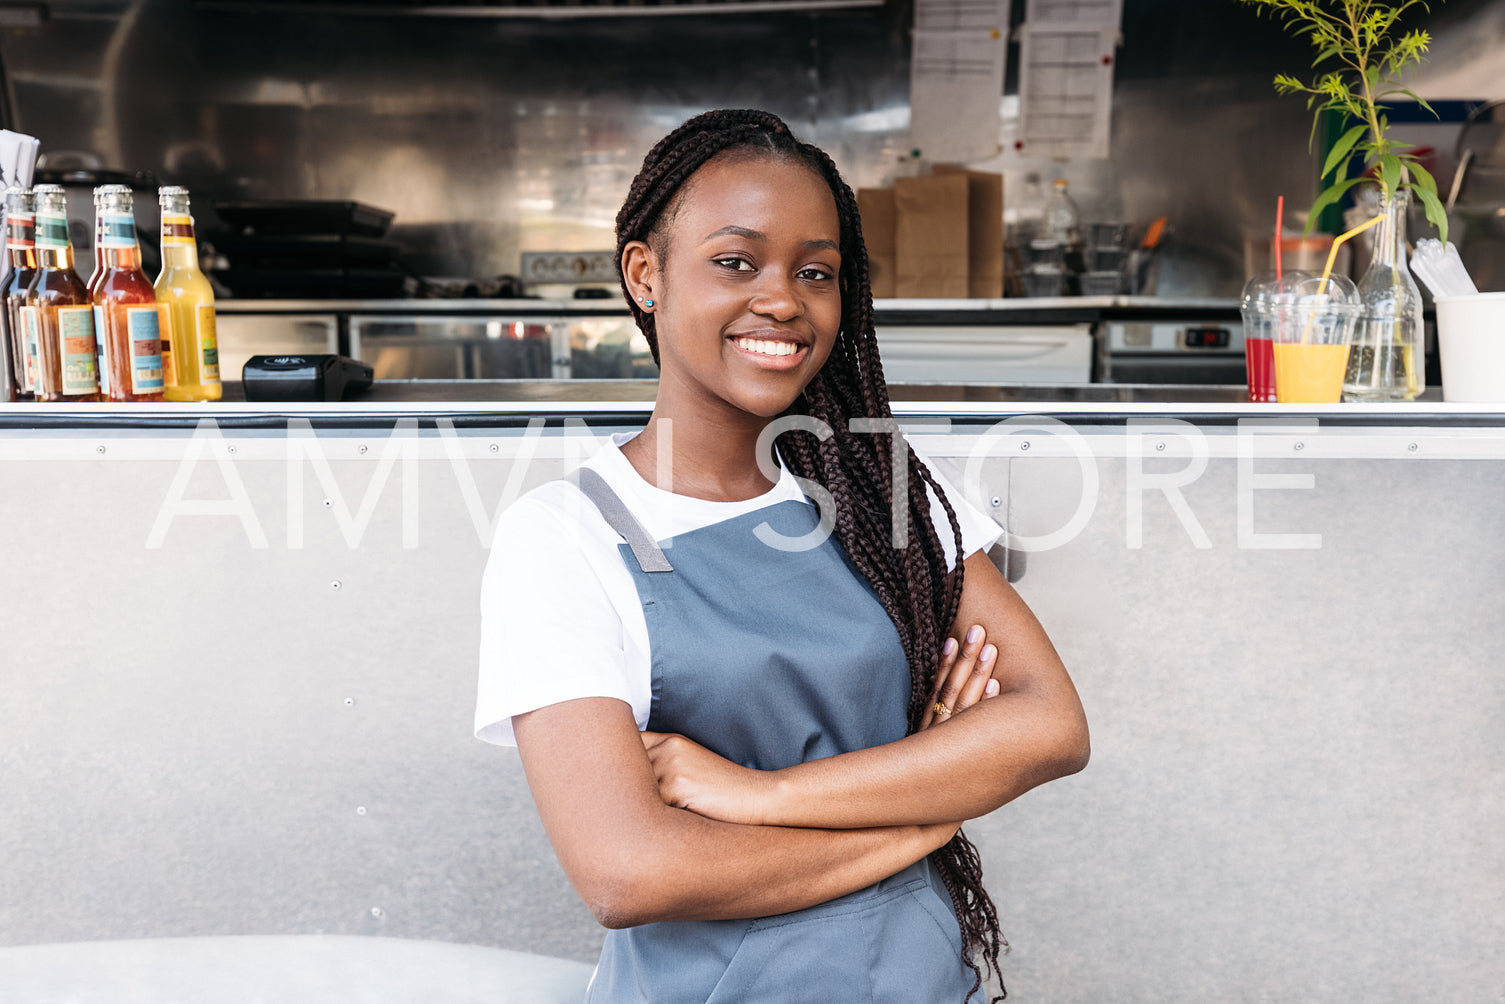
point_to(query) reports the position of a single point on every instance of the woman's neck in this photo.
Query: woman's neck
(702, 457)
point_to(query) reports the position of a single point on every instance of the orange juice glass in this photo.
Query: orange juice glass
(1313, 330)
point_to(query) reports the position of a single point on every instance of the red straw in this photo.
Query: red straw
(1280, 212)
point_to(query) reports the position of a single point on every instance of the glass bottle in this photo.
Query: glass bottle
(1061, 221)
(21, 225)
(189, 300)
(126, 310)
(1386, 362)
(58, 309)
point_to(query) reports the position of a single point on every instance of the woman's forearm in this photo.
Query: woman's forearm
(693, 868)
(985, 757)
(635, 860)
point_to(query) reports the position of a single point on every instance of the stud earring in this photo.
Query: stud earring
(648, 303)
(640, 299)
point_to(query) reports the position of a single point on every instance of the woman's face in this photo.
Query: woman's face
(748, 300)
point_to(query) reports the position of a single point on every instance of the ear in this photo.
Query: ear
(640, 270)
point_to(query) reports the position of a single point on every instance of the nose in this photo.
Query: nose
(776, 297)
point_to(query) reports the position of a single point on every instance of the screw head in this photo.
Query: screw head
(99, 449)
(349, 702)
(376, 912)
(495, 448)
(230, 450)
(1299, 447)
(1160, 447)
(361, 448)
(360, 810)
(335, 584)
(1024, 445)
(1413, 447)
(329, 503)
(995, 501)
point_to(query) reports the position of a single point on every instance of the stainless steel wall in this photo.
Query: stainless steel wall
(488, 137)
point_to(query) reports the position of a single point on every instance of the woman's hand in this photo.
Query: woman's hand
(692, 777)
(964, 677)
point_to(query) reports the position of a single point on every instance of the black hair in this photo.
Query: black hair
(913, 583)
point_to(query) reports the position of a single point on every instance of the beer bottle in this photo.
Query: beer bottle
(58, 309)
(20, 211)
(185, 293)
(133, 329)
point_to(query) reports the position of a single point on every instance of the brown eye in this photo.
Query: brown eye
(735, 264)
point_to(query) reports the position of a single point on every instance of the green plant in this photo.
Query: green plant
(1357, 34)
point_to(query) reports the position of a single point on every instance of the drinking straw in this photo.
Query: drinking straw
(1327, 270)
(1332, 255)
(1280, 212)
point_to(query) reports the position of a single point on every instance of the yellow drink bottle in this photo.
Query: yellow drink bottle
(189, 300)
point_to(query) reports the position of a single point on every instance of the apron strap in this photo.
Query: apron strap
(650, 557)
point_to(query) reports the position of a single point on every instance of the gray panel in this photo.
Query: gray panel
(1295, 791)
(210, 738)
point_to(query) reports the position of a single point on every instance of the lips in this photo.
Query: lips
(771, 349)
(766, 346)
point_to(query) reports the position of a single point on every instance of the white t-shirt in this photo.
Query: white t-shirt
(560, 615)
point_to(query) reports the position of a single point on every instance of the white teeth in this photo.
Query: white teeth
(765, 347)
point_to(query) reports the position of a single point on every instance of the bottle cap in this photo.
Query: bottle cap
(41, 190)
(167, 190)
(113, 190)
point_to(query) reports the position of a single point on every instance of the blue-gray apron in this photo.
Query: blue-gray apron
(772, 658)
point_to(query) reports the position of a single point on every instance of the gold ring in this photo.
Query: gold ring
(941, 709)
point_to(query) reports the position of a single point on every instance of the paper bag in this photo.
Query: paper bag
(876, 207)
(984, 231)
(931, 236)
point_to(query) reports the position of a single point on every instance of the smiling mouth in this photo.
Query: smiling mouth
(767, 347)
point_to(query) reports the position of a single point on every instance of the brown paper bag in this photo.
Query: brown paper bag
(876, 207)
(984, 231)
(931, 236)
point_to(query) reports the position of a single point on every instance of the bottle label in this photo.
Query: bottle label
(52, 231)
(169, 371)
(144, 332)
(31, 330)
(208, 344)
(104, 350)
(115, 230)
(75, 330)
(177, 230)
(21, 230)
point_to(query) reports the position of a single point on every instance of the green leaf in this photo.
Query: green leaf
(1329, 197)
(1343, 148)
(1436, 214)
(1390, 168)
(1424, 179)
(1421, 101)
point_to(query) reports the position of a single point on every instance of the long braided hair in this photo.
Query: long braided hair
(920, 595)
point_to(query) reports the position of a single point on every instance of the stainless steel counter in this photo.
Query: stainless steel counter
(1002, 307)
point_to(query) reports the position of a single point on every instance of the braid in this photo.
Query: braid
(914, 585)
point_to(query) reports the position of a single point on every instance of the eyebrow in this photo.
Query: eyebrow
(758, 235)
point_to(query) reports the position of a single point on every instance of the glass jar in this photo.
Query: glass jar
(1387, 361)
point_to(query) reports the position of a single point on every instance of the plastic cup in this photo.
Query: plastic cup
(1313, 330)
(1471, 344)
(1259, 313)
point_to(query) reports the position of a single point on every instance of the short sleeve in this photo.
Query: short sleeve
(549, 632)
(979, 531)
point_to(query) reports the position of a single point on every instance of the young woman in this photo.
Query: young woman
(751, 741)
